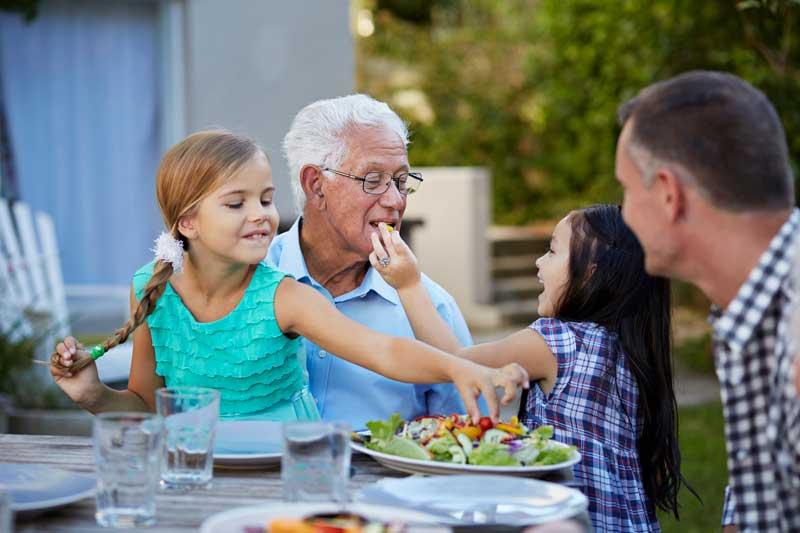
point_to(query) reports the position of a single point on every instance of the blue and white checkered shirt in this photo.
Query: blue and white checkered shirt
(761, 408)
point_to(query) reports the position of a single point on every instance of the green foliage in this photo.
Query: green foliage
(702, 444)
(695, 355)
(17, 378)
(27, 8)
(530, 88)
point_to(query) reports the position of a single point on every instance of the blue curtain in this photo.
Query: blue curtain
(80, 88)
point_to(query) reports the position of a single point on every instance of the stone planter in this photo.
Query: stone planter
(69, 422)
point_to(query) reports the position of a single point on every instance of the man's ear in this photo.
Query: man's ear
(312, 181)
(671, 193)
(187, 226)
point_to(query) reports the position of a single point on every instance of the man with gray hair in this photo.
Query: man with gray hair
(349, 164)
(709, 192)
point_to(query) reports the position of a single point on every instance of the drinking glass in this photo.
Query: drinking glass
(315, 465)
(6, 515)
(190, 421)
(126, 455)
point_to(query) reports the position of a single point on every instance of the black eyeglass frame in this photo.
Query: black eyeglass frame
(396, 179)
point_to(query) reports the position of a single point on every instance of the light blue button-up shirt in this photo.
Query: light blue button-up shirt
(347, 392)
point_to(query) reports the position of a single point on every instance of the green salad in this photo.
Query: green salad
(455, 439)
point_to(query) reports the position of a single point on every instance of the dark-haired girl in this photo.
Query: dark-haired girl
(599, 356)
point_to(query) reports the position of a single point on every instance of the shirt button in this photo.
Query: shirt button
(323, 354)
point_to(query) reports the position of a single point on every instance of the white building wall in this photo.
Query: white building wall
(252, 64)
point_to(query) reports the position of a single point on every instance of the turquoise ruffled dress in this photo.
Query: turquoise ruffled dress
(259, 371)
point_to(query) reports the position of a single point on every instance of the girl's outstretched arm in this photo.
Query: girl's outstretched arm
(301, 309)
(401, 272)
(86, 389)
(525, 347)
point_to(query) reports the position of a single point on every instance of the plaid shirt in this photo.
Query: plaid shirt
(762, 413)
(594, 406)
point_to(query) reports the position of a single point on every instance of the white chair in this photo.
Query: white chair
(32, 296)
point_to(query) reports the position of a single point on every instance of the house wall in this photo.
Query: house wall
(251, 65)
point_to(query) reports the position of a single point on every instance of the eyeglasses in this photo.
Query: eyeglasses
(379, 182)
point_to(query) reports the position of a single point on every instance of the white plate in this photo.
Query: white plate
(38, 487)
(479, 499)
(419, 466)
(248, 443)
(236, 520)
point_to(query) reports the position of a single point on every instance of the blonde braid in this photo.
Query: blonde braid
(152, 292)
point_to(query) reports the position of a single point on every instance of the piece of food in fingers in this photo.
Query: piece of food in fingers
(389, 228)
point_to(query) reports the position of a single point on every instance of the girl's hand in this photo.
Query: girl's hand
(401, 269)
(81, 385)
(472, 380)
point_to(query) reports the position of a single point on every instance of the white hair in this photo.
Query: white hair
(318, 133)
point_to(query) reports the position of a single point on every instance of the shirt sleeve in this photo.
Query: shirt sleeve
(443, 398)
(728, 508)
(560, 338)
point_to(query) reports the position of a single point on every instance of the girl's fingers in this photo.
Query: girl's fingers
(64, 355)
(373, 260)
(487, 389)
(523, 379)
(380, 252)
(57, 373)
(71, 344)
(472, 408)
(510, 389)
(387, 239)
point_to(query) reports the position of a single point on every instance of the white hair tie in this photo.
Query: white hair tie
(170, 250)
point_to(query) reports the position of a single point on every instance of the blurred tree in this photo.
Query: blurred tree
(27, 8)
(530, 88)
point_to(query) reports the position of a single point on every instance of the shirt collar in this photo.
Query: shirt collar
(739, 321)
(292, 262)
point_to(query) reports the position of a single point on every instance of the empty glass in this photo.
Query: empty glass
(190, 421)
(315, 465)
(6, 515)
(126, 454)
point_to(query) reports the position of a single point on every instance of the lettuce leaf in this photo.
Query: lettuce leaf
(492, 454)
(554, 454)
(381, 432)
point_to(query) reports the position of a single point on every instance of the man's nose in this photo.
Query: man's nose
(392, 197)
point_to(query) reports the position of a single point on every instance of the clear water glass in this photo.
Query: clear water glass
(190, 422)
(6, 514)
(315, 465)
(127, 450)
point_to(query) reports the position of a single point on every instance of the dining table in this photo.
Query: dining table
(178, 512)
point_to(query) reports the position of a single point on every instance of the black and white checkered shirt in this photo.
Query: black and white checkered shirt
(761, 408)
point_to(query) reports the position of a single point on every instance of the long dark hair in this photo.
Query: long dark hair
(609, 286)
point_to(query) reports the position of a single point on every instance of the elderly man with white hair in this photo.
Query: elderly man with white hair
(350, 171)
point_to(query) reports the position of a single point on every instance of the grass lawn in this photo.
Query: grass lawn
(703, 456)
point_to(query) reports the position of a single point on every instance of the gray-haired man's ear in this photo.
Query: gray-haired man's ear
(311, 180)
